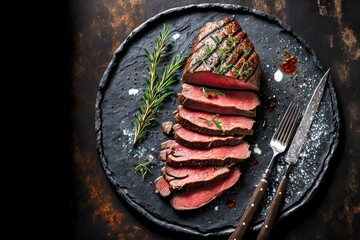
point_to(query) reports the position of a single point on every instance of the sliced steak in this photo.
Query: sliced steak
(193, 139)
(198, 196)
(216, 51)
(162, 186)
(178, 155)
(183, 177)
(231, 125)
(243, 103)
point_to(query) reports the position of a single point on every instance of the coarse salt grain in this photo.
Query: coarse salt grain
(133, 91)
(176, 36)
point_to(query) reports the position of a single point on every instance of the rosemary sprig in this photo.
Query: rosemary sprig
(224, 53)
(232, 41)
(241, 72)
(207, 54)
(208, 50)
(156, 89)
(217, 39)
(206, 91)
(143, 168)
(218, 69)
(213, 119)
(246, 53)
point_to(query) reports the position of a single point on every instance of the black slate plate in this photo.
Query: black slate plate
(116, 106)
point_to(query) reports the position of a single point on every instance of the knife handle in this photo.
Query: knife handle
(250, 210)
(273, 210)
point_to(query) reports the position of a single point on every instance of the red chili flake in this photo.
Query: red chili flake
(289, 65)
(230, 203)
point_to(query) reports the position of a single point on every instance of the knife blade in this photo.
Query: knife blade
(301, 133)
(293, 155)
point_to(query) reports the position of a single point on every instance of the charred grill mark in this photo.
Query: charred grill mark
(217, 30)
(252, 73)
(240, 36)
(245, 44)
(202, 58)
(211, 27)
(243, 68)
(237, 55)
(210, 40)
(225, 46)
(253, 70)
(215, 55)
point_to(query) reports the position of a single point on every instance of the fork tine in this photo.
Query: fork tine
(293, 125)
(289, 125)
(283, 122)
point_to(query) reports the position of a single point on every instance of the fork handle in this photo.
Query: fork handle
(273, 210)
(250, 210)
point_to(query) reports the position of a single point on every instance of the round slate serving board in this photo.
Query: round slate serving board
(122, 86)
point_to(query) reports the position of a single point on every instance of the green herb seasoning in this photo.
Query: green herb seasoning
(206, 91)
(207, 54)
(143, 168)
(243, 70)
(156, 88)
(213, 120)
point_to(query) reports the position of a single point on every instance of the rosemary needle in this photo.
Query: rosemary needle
(156, 88)
(143, 168)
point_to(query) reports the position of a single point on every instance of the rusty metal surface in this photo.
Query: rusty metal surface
(331, 28)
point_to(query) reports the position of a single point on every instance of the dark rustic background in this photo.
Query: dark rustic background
(90, 33)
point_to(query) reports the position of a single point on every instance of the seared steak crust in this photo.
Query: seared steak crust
(223, 56)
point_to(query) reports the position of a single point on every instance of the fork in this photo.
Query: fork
(278, 143)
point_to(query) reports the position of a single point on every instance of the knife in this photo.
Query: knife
(293, 155)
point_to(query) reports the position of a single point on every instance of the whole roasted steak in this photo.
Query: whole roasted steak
(222, 56)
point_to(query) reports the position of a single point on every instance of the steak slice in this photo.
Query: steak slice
(193, 139)
(162, 186)
(197, 196)
(231, 125)
(182, 177)
(177, 155)
(233, 102)
(214, 56)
